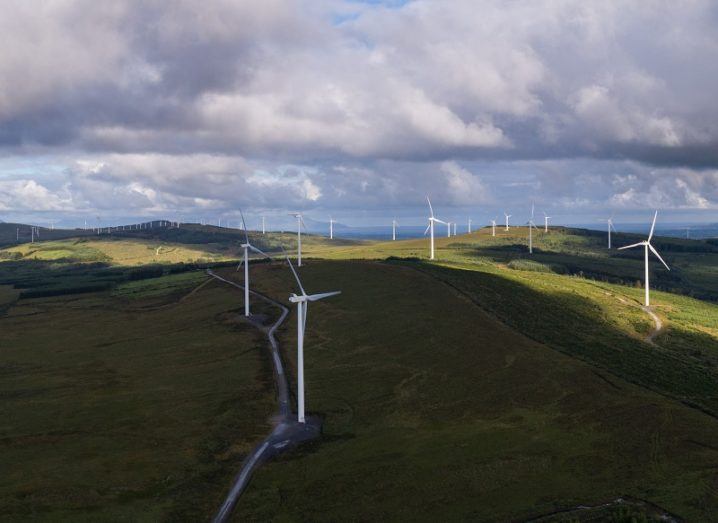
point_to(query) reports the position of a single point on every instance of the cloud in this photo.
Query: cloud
(152, 106)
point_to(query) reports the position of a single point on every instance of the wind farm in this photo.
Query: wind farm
(358, 260)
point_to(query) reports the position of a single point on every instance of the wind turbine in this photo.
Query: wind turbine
(545, 222)
(332, 221)
(393, 229)
(302, 301)
(493, 227)
(430, 227)
(263, 228)
(247, 247)
(531, 226)
(647, 245)
(448, 229)
(454, 228)
(300, 224)
(507, 220)
(469, 225)
(610, 226)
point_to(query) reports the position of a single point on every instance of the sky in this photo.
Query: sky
(130, 110)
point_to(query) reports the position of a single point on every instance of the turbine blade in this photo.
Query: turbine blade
(632, 245)
(244, 226)
(321, 296)
(296, 276)
(306, 313)
(653, 226)
(658, 256)
(427, 229)
(252, 247)
(241, 262)
(431, 209)
(301, 220)
(440, 221)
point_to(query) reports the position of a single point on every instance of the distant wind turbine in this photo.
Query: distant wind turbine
(531, 226)
(247, 247)
(430, 227)
(454, 228)
(393, 229)
(332, 221)
(469, 226)
(302, 302)
(263, 226)
(610, 226)
(493, 227)
(300, 224)
(546, 218)
(507, 220)
(646, 246)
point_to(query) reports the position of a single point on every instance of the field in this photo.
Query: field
(435, 410)
(135, 406)
(489, 385)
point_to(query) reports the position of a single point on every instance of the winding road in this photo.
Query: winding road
(659, 324)
(286, 433)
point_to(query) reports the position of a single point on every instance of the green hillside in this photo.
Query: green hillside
(488, 385)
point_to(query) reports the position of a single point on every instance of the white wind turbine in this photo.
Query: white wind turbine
(454, 228)
(546, 218)
(531, 226)
(332, 221)
(245, 260)
(493, 227)
(646, 246)
(302, 301)
(610, 226)
(507, 220)
(430, 227)
(448, 229)
(393, 229)
(469, 225)
(300, 224)
(263, 226)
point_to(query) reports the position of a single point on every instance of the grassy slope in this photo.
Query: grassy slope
(536, 429)
(598, 321)
(136, 407)
(436, 411)
(188, 244)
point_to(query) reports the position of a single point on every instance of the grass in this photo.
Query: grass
(435, 410)
(489, 385)
(133, 407)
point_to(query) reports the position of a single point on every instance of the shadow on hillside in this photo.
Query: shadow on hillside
(37, 278)
(574, 325)
(625, 268)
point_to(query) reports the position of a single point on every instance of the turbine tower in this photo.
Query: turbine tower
(507, 220)
(245, 260)
(332, 221)
(531, 226)
(300, 224)
(646, 246)
(545, 222)
(263, 228)
(393, 229)
(302, 301)
(454, 228)
(469, 225)
(493, 227)
(430, 227)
